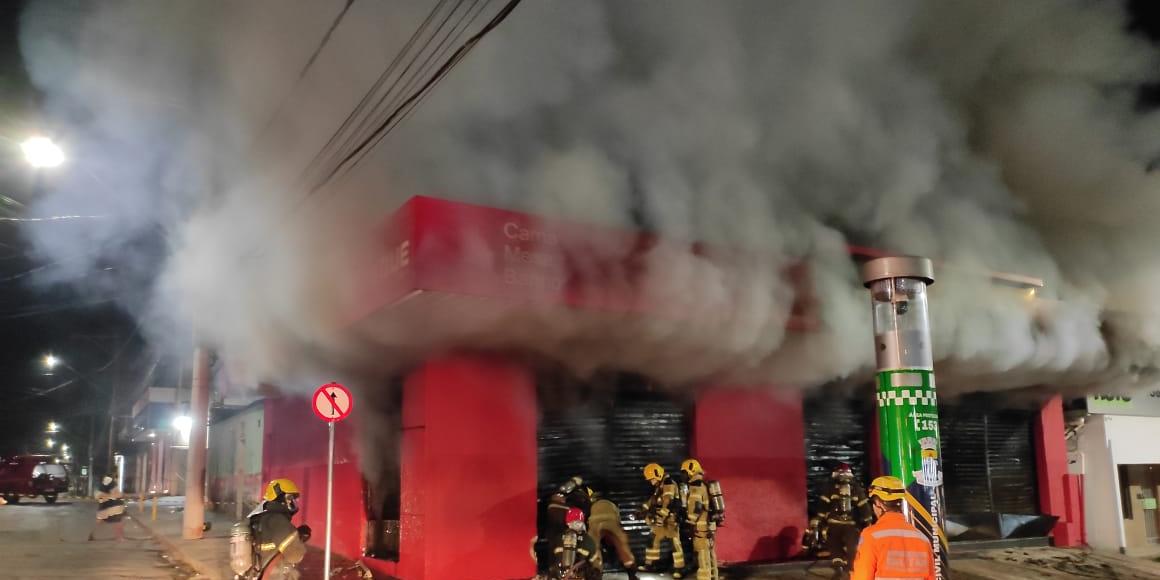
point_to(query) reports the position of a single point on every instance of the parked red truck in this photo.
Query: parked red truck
(32, 476)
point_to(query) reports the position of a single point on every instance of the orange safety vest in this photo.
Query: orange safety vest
(892, 549)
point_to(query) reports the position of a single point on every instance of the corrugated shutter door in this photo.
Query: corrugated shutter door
(989, 457)
(963, 433)
(836, 428)
(608, 439)
(1011, 453)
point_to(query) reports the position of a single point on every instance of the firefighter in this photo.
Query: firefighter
(571, 494)
(892, 548)
(279, 546)
(575, 554)
(844, 511)
(661, 513)
(604, 527)
(705, 510)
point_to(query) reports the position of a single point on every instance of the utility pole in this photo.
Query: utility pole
(194, 522)
(92, 436)
(109, 463)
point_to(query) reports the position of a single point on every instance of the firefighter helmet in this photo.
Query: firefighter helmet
(278, 488)
(574, 519)
(654, 473)
(888, 488)
(843, 472)
(692, 468)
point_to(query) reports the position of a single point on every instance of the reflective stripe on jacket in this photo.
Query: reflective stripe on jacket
(892, 549)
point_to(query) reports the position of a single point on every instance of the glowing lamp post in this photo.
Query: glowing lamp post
(906, 400)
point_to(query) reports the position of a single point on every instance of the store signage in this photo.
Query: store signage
(459, 249)
(1141, 404)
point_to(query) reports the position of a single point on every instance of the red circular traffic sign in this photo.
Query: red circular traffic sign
(332, 402)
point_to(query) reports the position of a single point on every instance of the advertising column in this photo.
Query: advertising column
(907, 405)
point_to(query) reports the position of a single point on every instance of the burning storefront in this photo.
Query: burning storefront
(444, 469)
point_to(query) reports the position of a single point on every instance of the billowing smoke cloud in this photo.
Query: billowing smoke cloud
(990, 135)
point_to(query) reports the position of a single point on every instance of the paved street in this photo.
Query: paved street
(51, 541)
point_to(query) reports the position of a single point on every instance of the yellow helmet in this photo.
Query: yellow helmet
(280, 486)
(654, 472)
(692, 468)
(888, 488)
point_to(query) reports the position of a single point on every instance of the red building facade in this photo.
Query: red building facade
(467, 450)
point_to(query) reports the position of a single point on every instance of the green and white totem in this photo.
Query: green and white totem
(907, 404)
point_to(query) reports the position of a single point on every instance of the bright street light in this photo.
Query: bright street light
(64, 448)
(50, 443)
(50, 361)
(41, 152)
(53, 427)
(182, 423)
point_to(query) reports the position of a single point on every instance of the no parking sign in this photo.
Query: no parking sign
(332, 403)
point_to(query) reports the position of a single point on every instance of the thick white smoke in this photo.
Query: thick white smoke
(988, 135)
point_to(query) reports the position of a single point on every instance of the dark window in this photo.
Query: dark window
(381, 490)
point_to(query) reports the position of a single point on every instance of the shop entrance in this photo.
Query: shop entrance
(606, 429)
(1139, 493)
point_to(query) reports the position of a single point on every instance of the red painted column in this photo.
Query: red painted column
(1051, 464)
(752, 441)
(468, 470)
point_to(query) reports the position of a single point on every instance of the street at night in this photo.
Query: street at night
(580, 289)
(42, 541)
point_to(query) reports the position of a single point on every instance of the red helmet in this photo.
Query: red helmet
(843, 470)
(574, 515)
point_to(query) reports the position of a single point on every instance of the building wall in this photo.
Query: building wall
(1102, 517)
(234, 470)
(468, 470)
(294, 446)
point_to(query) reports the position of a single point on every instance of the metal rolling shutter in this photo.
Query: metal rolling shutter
(1011, 455)
(989, 458)
(608, 438)
(836, 427)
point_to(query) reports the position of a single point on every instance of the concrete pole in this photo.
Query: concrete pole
(194, 522)
(906, 400)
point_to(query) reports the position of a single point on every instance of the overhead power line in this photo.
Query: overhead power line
(390, 122)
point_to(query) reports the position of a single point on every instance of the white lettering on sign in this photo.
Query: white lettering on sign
(524, 266)
(516, 232)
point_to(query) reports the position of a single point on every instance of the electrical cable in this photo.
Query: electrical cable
(383, 106)
(379, 82)
(415, 99)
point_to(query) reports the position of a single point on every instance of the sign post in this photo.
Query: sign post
(332, 403)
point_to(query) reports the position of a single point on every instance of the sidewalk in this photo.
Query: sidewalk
(210, 556)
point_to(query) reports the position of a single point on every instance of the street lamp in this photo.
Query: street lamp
(53, 427)
(50, 363)
(41, 152)
(49, 443)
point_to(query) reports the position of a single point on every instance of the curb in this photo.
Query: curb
(174, 550)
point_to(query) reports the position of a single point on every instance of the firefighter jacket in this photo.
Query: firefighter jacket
(844, 503)
(660, 507)
(892, 549)
(697, 509)
(275, 536)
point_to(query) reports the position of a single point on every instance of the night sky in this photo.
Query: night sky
(101, 343)
(35, 320)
